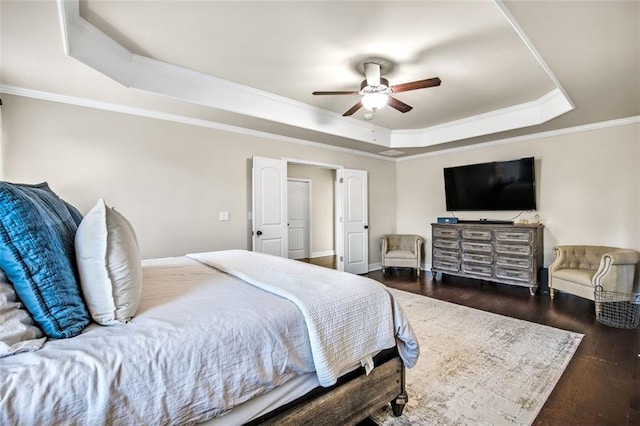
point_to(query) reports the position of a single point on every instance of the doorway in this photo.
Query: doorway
(321, 230)
(350, 218)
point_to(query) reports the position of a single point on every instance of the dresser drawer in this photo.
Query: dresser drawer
(514, 262)
(477, 234)
(446, 265)
(518, 235)
(448, 244)
(446, 232)
(479, 270)
(473, 246)
(478, 258)
(523, 249)
(509, 254)
(446, 254)
(514, 274)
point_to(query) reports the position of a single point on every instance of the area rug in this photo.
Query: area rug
(478, 368)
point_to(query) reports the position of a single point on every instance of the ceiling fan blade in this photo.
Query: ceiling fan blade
(414, 85)
(399, 105)
(335, 93)
(372, 73)
(353, 109)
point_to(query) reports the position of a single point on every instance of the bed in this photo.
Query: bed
(223, 338)
(166, 366)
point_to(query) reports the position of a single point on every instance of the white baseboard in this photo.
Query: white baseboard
(323, 253)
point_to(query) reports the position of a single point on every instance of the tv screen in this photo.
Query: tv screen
(501, 185)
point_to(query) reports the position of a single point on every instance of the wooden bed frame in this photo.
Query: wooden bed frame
(354, 398)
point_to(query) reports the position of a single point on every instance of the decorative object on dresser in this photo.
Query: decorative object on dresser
(497, 252)
(401, 250)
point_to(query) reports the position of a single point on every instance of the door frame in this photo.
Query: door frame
(309, 221)
(339, 250)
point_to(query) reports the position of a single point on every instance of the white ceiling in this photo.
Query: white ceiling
(507, 69)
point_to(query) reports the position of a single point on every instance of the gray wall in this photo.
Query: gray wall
(170, 180)
(588, 187)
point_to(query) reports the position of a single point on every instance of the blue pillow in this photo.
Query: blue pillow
(37, 255)
(75, 213)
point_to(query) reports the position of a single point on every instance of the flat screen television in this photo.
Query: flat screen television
(500, 185)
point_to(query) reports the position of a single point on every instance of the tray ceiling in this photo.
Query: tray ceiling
(253, 65)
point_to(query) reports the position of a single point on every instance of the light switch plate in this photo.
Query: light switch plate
(224, 216)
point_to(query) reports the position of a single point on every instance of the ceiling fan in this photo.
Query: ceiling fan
(376, 92)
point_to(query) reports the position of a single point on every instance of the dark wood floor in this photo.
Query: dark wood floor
(326, 261)
(601, 385)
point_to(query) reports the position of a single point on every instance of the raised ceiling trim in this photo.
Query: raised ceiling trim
(533, 136)
(523, 36)
(147, 113)
(89, 45)
(539, 111)
(90, 103)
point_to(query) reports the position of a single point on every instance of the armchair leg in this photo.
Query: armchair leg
(418, 271)
(552, 293)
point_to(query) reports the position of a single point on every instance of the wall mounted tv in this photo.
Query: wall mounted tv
(500, 185)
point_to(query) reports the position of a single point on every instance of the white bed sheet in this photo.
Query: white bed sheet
(348, 317)
(136, 374)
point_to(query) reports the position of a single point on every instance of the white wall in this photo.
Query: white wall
(322, 205)
(170, 180)
(588, 187)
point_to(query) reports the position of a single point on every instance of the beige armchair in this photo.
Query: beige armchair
(401, 250)
(579, 269)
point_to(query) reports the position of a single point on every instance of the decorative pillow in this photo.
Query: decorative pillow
(109, 265)
(37, 255)
(17, 333)
(75, 213)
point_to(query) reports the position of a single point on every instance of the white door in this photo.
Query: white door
(298, 198)
(269, 197)
(354, 225)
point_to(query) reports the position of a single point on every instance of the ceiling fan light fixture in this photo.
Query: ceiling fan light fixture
(374, 101)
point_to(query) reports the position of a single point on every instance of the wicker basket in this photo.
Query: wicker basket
(615, 309)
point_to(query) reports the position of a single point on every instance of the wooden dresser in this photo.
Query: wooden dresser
(503, 253)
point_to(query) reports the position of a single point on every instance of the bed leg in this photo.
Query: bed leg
(398, 403)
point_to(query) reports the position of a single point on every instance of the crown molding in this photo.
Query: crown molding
(176, 118)
(533, 136)
(87, 44)
(527, 114)
(89, 103)
(523, 36)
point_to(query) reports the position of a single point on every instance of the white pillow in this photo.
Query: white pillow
(17, 330)
(109, 264)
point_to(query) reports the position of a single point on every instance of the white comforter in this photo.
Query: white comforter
(348, 317)
(201, 343)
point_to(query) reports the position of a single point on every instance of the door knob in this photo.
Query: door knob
(259, 233)
(366, 227)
